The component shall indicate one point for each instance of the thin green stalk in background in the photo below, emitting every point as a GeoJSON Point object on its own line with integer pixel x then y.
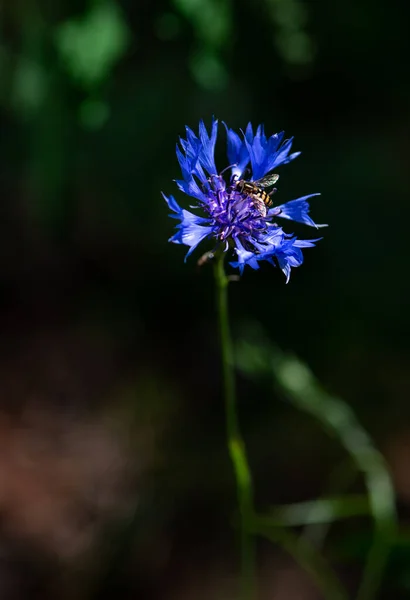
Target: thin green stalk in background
{"type": "Point", "coordinates": [306, 555]}
{"type": "Point", "coordinates": [299, 385]}
{"type": "Point", "coordinates": [336, 415]}
{"type": "Point", "coordinates": [320, 511]}
{"type": "Point", "coordinates": [236, 446]}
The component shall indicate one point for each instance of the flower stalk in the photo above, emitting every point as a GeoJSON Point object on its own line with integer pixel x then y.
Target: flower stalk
{"type": "Point", "coordinates": [235, 443]}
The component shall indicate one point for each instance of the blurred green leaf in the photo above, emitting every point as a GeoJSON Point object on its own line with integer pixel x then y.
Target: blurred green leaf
{"type": "Point", "coordinates": [168, 26]}
{"type": "Point", "coordinates": [29, 86]}
{"type": "Point", "coordinates": [292, 39]}
{"type": "Point", "coordinates": [211, 20]}
{"type": "Point", "coordinates": [94, 114]}
{"type": "Point", "coordinates": [209, 71]}
{"type": "Point", "coordinates": [212, 23]}
{"type": "Point", "coordinates": [90, 47]}
{"type": "Point", "coordinates": [296, 47]}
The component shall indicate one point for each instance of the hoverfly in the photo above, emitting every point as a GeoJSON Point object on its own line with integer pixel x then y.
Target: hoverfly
{"type": "Point", "coordinates": [256, 190]}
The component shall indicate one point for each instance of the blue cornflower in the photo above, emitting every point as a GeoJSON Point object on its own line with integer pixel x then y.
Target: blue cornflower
{"type": "Point", "coordinates": [231, 216]}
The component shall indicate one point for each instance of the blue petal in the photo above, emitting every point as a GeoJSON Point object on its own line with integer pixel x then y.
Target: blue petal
{"type": "Point", "coordinates": [234, 145]}
{"type": "Point", "coordinates": [290, 255]}
{"type": "Point", "coordinates": [260, 133]}
{"type": "Point", "coordinates": [281, 153]}
{"type": "Point", "coordinates": [191, 188]}
{"type": "Point", "coordinates": [190, 235]}
{"type": "Point", "coordinates": [257, 157]}
{"type": "Point", "coordinates": [191, 230]}
{"type": "Point", "coordinates": [288, 258]}
{"type": "Point", "coordinates": [287, 159]}
{"type": "Point", "coordinates": [306, 243]}
{"type": "Point", "coordinates": [285, 250]}
{"type": "Point", "coordinates": [245, 257]}
{"type": "Point", "coordinates": [174, 206]}
{"type": "Point", "coordinates": [186, 163]}
{"type": "Point", "coordinates": [237, 151]}
{"type": "Point", "coordinates": [196, 155]}
{"type": "Point", "coordinates": [266, 154]}
{"type": "Point", "coordinates": [297, 210]}
{"type": "Point", "coordinates": [249, 133]}
{"type": "Point", "coordinates": [186, 216]}
{"type": "Point", "coordinates": [275, 141]}
{"type": "Point", "coordinates": [191, 147]}
{"type": "Point", "coordinates": [191, 139]}
{"type": "Point", "coordinates": [206, 156]}
{"type": "Point", "coordinates": [272, 239]}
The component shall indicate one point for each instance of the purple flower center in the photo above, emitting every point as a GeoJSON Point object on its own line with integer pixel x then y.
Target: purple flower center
{"type": "Point", "coordinates": [233, 213]}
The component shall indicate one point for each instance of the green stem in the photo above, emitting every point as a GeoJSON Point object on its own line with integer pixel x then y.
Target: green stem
{"type": "Point", "coordinates": [235, 441]}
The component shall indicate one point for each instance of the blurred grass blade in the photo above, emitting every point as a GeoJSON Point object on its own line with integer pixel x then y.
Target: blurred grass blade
{"type": "Point", "coordinates": [309, 559]}
{"type": "Point", "coordinates": [323, 510]}
{"type": "Point", "coordinates": [340, 480]}
{"type": "Point", "coordinates": [301, 388]}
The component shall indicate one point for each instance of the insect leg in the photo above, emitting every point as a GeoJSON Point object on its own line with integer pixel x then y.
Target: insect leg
{"type": "Point", "coordinates": [230, 167]}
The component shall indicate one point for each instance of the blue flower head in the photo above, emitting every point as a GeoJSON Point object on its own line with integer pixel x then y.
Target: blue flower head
{"type": "Point", "coordinates": [237, 215]}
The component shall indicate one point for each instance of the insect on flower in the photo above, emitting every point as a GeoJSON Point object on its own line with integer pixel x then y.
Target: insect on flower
{"type": "Point", "coordinates": [237, 213]}
{"type": "Point", "coordinates": [256, 191]}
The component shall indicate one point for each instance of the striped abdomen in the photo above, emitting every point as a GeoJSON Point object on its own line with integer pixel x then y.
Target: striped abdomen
{"type": "Point", "coordinates": [253, 190]}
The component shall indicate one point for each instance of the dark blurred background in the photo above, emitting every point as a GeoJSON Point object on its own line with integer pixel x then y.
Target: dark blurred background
{"type": "Point", "coordinates": [114, 476]}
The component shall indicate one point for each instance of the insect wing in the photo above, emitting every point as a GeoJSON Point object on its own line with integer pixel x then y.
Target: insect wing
{"type": "Point", "coordinates": [259, 205]}
{"type": "Point", "coordinates": [267, 181]}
